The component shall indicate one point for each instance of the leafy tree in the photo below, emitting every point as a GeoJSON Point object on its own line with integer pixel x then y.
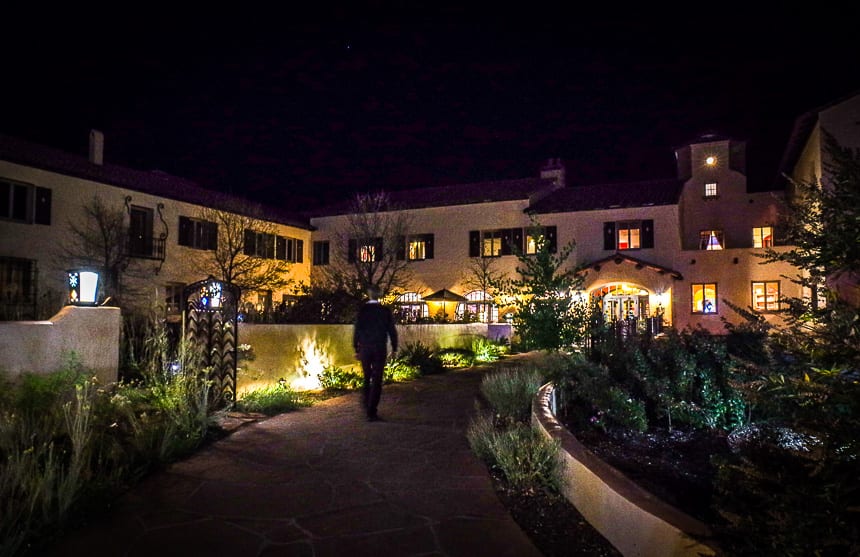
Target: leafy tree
{"type": "Point", "coordinates": [373, 243]}
{"type": "Point", "coordinates": [801, 497]}
{"type": "Point", "coordinates": [548, 317]}
{"type": "Point", "coordinates": [823, 225]}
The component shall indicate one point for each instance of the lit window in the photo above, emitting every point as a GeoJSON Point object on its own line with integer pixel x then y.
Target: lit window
{"type": "Point", "coordinates": [704, 297]}
{"type": "Point", "coordinates": [624, 235]}
{"type": "Point", "coordinates": [367, 253]}
{"type": "Point", "coordinates": [628, 235]}
{"type": "Point", "coordinates": [711, 189]}
{"type": "Point", "coordinates": [416, 250]}
{"type": "Point", "coordinates": [711, 240]}
{"type": "Point", "coordinates": [765, 295]}
{"type": "Point", "coordinates": [491, 245]}
{"type": "Point", "coordinates": [532, 244]}
{"type": "Point", "coordinates": [763, 237]}
{"type": "Point", "coordinates": [409, 308]}
{"type": "Point", "coordinates": [365, 250]}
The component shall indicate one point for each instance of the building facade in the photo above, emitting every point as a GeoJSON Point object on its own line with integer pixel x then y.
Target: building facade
{"type": "Point", "coordinates": [683, 249]}
{"type": "Point", "coordinates": [59, 211]}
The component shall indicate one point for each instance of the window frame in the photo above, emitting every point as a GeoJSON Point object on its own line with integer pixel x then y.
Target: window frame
{"type": "Point", "coordinates": [704, 286]}
{"type": "Point", "coordinates": [612, 229]}
{"type": "Point", "coordinates": [705, 239]}
{"type": "Point", "coordinates": [767, 304]}
{"type": "Point", "coordinates": [758, 236]}
{"type": "Point", "coordinates": [197, 233]}
{"type": "Point", "coordinates": [321, 253]}
{"type": "Point", "coordinates": [709, 192]}
{"type": "Point", "coordinates": [30, 205]}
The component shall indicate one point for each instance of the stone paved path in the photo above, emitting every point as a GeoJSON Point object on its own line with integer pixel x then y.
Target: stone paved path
{"type": "Point", "coordinates": [324, 482]}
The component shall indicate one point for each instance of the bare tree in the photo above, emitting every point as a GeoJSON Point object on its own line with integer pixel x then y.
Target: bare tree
{"type": "Point", "coordinates": [247, 250]}
{"type": "Point", "coordinates": [99, 240]}
{"type": "Point", "coordinates": [373, 241]}
{"type": "Point", "coordinates": [481, 274]}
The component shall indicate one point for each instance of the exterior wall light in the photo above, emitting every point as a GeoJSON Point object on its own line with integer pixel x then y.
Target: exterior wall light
{"type": "Point", "coordinates": [711, 160]}
{"type": "Point", "coordinates": [83, 287]}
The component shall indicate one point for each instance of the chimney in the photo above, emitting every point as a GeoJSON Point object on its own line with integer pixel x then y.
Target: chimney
{"type": "Point", "coordinates": [554, 169]}
{"type": "Point", "coordinates": [97, 147]}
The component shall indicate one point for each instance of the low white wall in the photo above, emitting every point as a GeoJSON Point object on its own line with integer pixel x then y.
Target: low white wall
{"type": "Point", "coordinates": [279, 349]}
{"type": "Point", "coordinates": [93, 333]}
{"type": "Point", "coordinates": [634, 521]}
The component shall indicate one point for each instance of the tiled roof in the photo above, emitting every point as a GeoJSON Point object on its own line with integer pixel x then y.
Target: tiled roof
{"type": "Point", "coordinates": [445, 196]}
{"type": "Point", "coordinates": [155, 183]}
{"type": "Point", "coordinates": [609, 196]}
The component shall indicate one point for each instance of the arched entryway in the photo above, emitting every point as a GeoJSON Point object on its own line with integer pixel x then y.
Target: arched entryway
{"type": "Point", "coordinates": [631, 302]}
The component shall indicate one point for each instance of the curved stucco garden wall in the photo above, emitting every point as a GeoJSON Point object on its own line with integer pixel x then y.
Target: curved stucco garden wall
{"type": "Point", "coordinates": [91, 333]}
{"type": "Point", "coordinates": [634, 521]}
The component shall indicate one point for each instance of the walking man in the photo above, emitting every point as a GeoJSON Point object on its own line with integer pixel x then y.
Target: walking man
{"type": "Point", "coordinates": [373, 327]}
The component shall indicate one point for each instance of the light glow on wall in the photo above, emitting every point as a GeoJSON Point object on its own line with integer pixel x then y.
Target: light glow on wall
{"type": "Point", "coordinates": [313, 359]}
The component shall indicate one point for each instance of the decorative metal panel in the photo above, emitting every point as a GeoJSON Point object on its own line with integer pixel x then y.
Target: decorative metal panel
{"type": "Point", "coordinates": [210, 328]}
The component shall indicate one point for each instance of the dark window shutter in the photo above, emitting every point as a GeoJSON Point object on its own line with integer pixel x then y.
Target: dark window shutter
{"type": "Point", "coordinates": [401, 248]}
{"type": "Point", "coordinates": [300, 251]}
{"type": "Point", "coordinates": [186, 231]}
{"type": "Point", "coordinates": [608, 235]}
{"type": "Point", "coordinates": [351, 251]}
{"type": "Point", "coordinates": [19, 203]}
{"type": "Point", "coordinates": [474, 243]}
{"type": "Point", "coordinates": [282, 248]}
{"type": "Point", "coordinates": [779, 236]}
{"type": "Point", "coordinates": [648, 233]}
{"type": "Point", "coordinates": [428, 246]}
{"type": "Point", "coordinates": [551, 238]}
{"type": "Point", "coordinates": [377, 246]}
{"type": "Point", "coordinates": [211, 235]}
{"type": "Point", "coordinates": [43, 206]}
{"type": "Point", "coordinates": [269, 242]}
{"type": "Point", "coordinates": [507, 241]}
{"type": "Point", "coordinates": [250, 242]}
{"type": "Point", "coordinates": [516, 240]}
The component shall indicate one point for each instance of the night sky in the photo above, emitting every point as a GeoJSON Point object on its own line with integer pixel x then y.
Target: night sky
{"type": "Point", "coordinates": [298, 109]}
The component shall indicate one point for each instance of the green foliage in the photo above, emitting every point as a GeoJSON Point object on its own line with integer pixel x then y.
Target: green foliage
{"type": "Point", "coordinates": [547, 315]}
{"type": "Point", "coordinates": [685, 378]}
{"type": "Point", "coordinates": [527, 459]}
{"type": "Point", "coordinates": [340, 379]}
{"type": "Point", "coordinates": [456, 357]}
{"type": "Point", "coordinates": [397, 370]}
{"type": "Point", "coordinates": [510, 391]}
{"type": "Point", "coordinates": [422, 356]}
{"type": "Point", "coordinates": [822, 225]}
{"type": "Point", "coordinates": [271, 400]}
{"type": "Point", "coordinates": [486, 350]}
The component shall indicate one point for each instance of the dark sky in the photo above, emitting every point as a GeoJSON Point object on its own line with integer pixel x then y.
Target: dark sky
{"type": "Point", "coordinates": [302, 108]}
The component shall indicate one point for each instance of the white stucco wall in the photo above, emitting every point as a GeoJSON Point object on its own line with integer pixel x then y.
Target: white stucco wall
{"type": "Point", "coordinates": [93, 333]}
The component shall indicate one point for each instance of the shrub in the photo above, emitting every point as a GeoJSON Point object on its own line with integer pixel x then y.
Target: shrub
{"type": "Point", "coordinates": [397, 370]}
{"type": "Point", "coordinates": [422, 356]}
{"type": "Point", "coordinates": [480, 435]}
{"type": "Point", "coordinates": [510, 392]}
{"type": "Point", "coordinates": [527, 459]}
{"type": "Point", "coordinates": [337, 378]}
{"type": "Point", "coordinates": [271, 400]}
{"type": "Point", "coordinates": [486, 350]}
{"type": "Point", "coordinates": [456, 357]}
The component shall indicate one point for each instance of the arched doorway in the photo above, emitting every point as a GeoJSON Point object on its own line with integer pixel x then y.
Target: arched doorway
{"type": "Point", "coordinates": [622, 300]}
